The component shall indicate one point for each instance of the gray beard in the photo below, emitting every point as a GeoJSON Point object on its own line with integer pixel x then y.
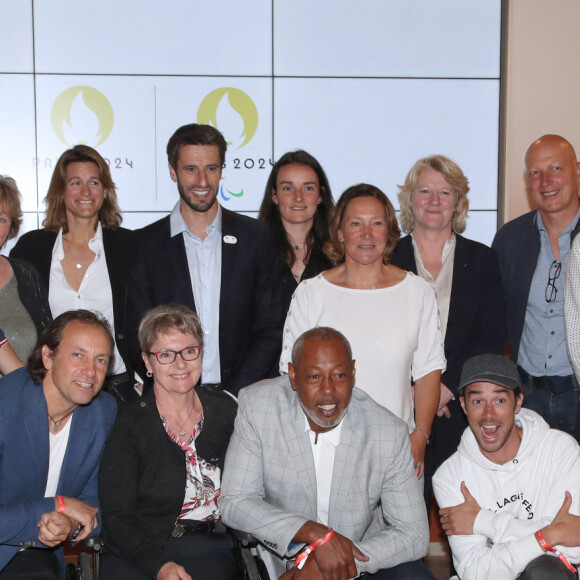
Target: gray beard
{"type": "Point", "coordinates": [330, 424]}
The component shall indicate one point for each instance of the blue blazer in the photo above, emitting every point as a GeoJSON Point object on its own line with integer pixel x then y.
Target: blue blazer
{"type": "Point", "coordinates": [24, 456]}
{"type": "Point", "coordinates": [518, 245]}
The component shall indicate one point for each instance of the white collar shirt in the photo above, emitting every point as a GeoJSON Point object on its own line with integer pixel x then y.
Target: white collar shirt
{"type": "Point", "coordinates": [323, 451]}
{"type": "Point", "coordinates": [204, 260]}
{"type": "Point", "coordinates": [94, 293]}
{"type": "Point", "coordinates": [444, 281]}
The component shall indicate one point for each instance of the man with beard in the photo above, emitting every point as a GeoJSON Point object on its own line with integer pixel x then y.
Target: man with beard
{"type": "Point", "coordinates": [510, 495]}
{"type": "Point", "coordinates": [221, 264]}
{"type": "Point", "coordinates": [315, 470]}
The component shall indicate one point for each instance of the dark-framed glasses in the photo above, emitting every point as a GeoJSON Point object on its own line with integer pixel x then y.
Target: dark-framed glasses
{"type": "Point", "coordinates": [551, 290]}
{"type": "Point", "coordinates": [166, 357]}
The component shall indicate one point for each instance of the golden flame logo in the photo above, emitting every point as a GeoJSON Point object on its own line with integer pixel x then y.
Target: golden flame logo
{"type": "Point", "coordinates": [240, 102]}
{"type": "Point", "coordinates": [82, 115]}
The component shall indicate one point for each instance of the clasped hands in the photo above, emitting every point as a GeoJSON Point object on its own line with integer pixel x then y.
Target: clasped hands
{"type": "Point", "coordinates": [55, 527]}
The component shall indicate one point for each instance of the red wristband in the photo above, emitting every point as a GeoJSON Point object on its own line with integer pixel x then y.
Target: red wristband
{"type": "Point", "coordinates": [545, 546]}
{"type": "Point", "coordinates": [60, 501]}
{"type": "Point", "coordinates": [325, 539]}
{"type": "Point", "coordinates": [301, 559]}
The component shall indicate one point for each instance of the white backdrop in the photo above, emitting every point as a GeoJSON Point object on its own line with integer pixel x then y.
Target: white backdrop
{"type": "Point", "coordinates": [367, 87]}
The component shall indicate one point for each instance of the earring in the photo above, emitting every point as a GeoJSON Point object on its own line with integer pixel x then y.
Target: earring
{"type": "Point", "coordinates": [274, 202]}
{"type": "Point", "coordinates": [149, 374]}
{"type": "Point", "coordinates": [319, 202]}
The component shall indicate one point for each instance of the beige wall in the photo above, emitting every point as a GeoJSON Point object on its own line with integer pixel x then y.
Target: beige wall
{"type": "Point", "coordinates": [542, 85]}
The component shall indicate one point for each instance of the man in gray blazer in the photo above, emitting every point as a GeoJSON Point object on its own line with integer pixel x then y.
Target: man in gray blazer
{"type": "Point", "coordinates": [315, 463]}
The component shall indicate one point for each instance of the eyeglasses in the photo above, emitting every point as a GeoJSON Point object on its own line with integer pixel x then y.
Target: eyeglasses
{"type": "Point", "coordinates": [551, 290]}
{"type": "Point", "coordinates": [166, 357]}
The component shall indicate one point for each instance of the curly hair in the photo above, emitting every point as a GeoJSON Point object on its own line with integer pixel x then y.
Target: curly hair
{"type": "Point", "coordinates": [452, 174]}
{"type": "Point", "coordinates": [10, 204]}
{"type": "Point", "coordinates": [270, 212]}
{"type": "Point", "coordinates": [334, 248]}
{"type": "Point", "coordinates": [109, 214]}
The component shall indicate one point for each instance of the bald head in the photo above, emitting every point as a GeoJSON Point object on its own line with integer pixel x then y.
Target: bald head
{"type": "Point", "coordinates": [552, 143]}
{"type": "Point", "coordinates": [553, 178]}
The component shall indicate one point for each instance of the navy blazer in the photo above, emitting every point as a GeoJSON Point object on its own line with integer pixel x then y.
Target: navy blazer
{"type": "Point", "coordinates": [517, 244]}
{"type": "Point", "coordinates": [251, 316]}
{"type": "Point", "coordinates": [25, 452]}
{"type": "Point", "coordinates": [477, 318]}
{"type": "Point", "coordinates": [36, 248]}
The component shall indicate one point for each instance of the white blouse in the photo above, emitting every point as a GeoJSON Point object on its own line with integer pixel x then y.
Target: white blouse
{"type": "Point", "coordinates": [95, 292]}
{"type": "Point", "coordinates": [394, 334]}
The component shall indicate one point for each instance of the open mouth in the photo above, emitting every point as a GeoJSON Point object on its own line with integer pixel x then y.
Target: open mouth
{"type": "Point", "coordinates": [489, 432]}
{"type": "Point", "coordinates": [549, 193]}
{"type": "Point", "coordinates": [327, 410]}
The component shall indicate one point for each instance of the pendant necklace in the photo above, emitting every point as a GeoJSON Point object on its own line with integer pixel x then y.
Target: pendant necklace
{"type": "Point", "coordinates": [182, 431]}
{"type": "Point", "coordinates": [296, 245]}
{"type": "Point", "coordinates": [55, 427]}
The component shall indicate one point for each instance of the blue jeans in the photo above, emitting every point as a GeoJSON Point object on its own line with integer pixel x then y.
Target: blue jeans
{"type": "Point", "coordinates": [416, 570]}
{"type": "Point", "coordinates": [560, 410]}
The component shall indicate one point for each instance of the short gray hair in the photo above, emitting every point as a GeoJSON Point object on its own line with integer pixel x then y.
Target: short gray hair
{"type": "Point", "coordinates": [324, 333]}
{"type": "Point", "coordinates": [165, 317]}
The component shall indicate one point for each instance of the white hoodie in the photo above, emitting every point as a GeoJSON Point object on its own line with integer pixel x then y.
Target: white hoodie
{"type": "Point", "coordinates": [516, 499]}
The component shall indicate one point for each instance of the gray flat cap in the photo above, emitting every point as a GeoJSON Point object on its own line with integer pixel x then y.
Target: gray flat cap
{"type": "Point", "coordinates": [490, 368]}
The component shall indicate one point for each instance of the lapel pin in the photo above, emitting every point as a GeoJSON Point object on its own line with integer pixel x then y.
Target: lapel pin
{"type": "Point", "coordinates": [230, 239]}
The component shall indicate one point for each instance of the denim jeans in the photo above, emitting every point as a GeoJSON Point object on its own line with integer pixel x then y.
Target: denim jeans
{"type": "Point", "coordinates": [560, 410]}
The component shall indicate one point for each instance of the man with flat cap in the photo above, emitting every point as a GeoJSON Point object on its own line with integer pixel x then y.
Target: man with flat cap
{"type": "Point", "coordinates": [510, 495]}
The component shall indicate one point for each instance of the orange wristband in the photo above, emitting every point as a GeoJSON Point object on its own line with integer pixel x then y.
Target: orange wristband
{"type": "Point", "coordinates": [301, 559]}
{"type": "Point", "coordinates": [545, 546]}
{"type": "Point", "coordinates": [60, 501]}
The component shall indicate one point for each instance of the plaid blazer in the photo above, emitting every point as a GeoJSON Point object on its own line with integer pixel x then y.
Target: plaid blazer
{"type": "Point", "coordinates": [269, 480]}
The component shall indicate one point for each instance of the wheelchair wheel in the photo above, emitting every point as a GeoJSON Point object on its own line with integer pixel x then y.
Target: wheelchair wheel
{"type": "Point", "coordinates": [262, 570]}
{"type": "Point", "coordinates": [84, 566]}
{"type": "Point", "coordinates": [82, 571]}
{"type": "Point", "coordinates": [72, 572]}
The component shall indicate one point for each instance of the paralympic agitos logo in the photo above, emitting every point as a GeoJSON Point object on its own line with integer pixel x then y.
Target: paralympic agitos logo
{"type": "Point", "coordinates": [214, 107]}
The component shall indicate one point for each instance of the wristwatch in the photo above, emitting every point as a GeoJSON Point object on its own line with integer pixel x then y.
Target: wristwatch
{"type": "Point", "coordinates": [74, 534]}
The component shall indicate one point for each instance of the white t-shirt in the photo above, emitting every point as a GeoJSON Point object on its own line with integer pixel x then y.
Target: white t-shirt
{"type": "Point", "coordinates": [394, 334]}
{"type": "Point", "coordinates": [58, 444]}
